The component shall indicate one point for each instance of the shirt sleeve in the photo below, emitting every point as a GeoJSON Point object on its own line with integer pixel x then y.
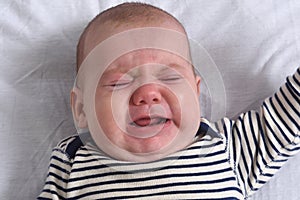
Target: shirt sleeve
{"type": "Point", "coordinates": [58, 173]}
{"type": "Point", "coordinates": [259, 143]}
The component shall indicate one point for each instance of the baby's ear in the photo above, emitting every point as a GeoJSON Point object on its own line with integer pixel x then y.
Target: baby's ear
{"type": "Point", "coordinates": [76, 100]}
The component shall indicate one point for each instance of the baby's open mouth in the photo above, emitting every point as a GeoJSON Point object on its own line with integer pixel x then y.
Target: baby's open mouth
{"type": "Point", "coordinates": [148, 126]}
{"type": "Point", "coordinates": [148, 121]}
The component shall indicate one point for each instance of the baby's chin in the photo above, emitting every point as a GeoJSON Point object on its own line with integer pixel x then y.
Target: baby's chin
{"type": "Point", "coordinates": [150, 139]}
{"type": "Point", "coordinates": [142, 145]}
{"type": "Point", "coordinates": [168, 141]}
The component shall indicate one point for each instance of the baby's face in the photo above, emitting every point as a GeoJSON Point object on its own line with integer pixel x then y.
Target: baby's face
{"type": "Point", "coordinates": [146, 102]}
{"type": "Point", "coordinates": [140, 94]}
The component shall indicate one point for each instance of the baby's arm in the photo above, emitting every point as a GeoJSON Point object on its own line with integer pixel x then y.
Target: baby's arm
{"type": "Point", "coordinates": [261, 142]}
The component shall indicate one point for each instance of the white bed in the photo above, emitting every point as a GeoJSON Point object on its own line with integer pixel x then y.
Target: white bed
{"type": "Point", "coordinates": [254, 44]}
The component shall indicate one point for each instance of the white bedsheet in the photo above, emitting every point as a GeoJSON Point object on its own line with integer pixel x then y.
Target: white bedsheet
{"type": "Point", "coordinates": [254, 44]}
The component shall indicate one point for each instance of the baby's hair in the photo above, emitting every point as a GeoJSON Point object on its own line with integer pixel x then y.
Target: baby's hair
{"type": "Point", "coordinates": [126, 13]}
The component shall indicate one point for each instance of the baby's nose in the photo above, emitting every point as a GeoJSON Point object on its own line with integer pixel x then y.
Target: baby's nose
{"type": "Point", "coordinates": [146, 95]}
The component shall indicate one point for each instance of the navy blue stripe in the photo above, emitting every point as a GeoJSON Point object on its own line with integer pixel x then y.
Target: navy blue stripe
{"type": "Point", "coordinates": [249, 151]}
{"type": "Point", "coordinates": [86, 161]}
{"type": "Point", "coordinates": [263, 137]}
{"type": "Point", "coordinates": [154, 169]}
{"type": "Point", "coordinates": [235, 143]}
{"type": "Point", "coordinates": [293, 149]}
{"type": "Point", "coordinates": [159, 193]}
{"type": "Point", "coordinates": [277, 125]}
{"type": "Point", "coordinates": [261, 182]}
{"type": "Point", "coordinates": [140, 196]}
{"type": "Point", "coordinates": [155, 186]}
{"type": "Point", "coordinates": [42, 198]}
{"type": "Point", "coordinates": [284, 155]}
{"type": "Point", "coordinates": [206, 139]}
{"type": "Point", "coordinates": [286, 112]}
{"type": "Point", "coordinates": [292, 92]}
{"type": "Point", "coordinates": [283, 122]}
{"type": "Point", "coordinates": [166, 176]}
{"type": "Point", "coordinates": [283, 160]}
{"type": "Point", "coordinates": [130, 197]}
{"type": "Point", "coordinates": [286, 99]}
{"type": "Point", "coordinates": [59, 168]}
{"type": "Point", "coordinates": [274, 167]}
{"type": "Point", "coordinates": [259, 151]}
{"type": "Point", "coordinates": [57, 177]}
{"type": "Point", "coordinates": [268, 175]}
{"type": "Point", "coordinates": [102, 166]}
{"type": "Point", "coordinates": [63, 143]}
{"type": "Point", "coordinates": [116, 173]}
{"type": "Point", "coordinates": [290, 85]}
{"type": "Point", "coordinates": [243, 158]}
{"type": "Point", "coordinates": [163, 159]}
{"type": "Point", "coordinates": [244, 176]}
{"type": "Point", "coordinates": [257, 146]}
{"type": "Point", "coordinates": [61, 160]}
{"type": "Point", "coordinates": [205, 146]}
{"type": "Point", "coordinates": [227, 148]}
{"type": "Point", "coordinates": [272, 143]}
{"type": "Point", "coordinates": [187, 166]}
{"type": "Point", "coordinates": [89, 154]}
{"type": "Point", "coordinates": [225, 129]}
{"type": "Point", "coordinates": [53, 193]}
{"type": "Point", "coordinates": [296, 81]}
{"type": "Point", "coordinates": [200, 155]}
{"type": "Point", "coordinates": [57, 186]}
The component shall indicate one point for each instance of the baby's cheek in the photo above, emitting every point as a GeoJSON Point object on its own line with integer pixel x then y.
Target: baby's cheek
{"type": "Point", "coordinates": [102, 106]}
{"type": "Point", "coordinates": [105, 120]}
{"type": "Point", "coordinates": [186, 105]}
{"type": "Point", "coordinates": [171, 101]}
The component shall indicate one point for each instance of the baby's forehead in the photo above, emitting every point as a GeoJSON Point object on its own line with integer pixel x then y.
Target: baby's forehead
{"type": "Point", "coordinates": [135, 47]}
{"type": "Point", "coordinates": [147, 55]}
{"type": "Point", "coordinates": [103, 31]}
{"type": "Point", "coordinates": [150, 58]}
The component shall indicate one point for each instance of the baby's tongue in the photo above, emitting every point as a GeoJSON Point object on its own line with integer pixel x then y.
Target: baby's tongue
{"type": "Point", "coordinates": [143, 121]}
{"type": "Point", "coordinates": [147, 121]}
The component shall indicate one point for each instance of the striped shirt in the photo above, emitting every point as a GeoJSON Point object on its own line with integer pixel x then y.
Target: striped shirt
{"type": "Point", "coordinates": [230, 160]}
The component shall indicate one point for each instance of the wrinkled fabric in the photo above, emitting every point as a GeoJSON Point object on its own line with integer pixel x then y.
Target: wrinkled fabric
{"type": "Point", "coordinates": [254, 45]}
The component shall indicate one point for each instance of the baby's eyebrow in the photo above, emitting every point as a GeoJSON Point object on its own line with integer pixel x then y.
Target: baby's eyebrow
{"type": "Point", "coordinates": [119, 67]}
{"type": "Point", "coordinates": [173, 66]}
{"type": "Point", "coordinates": [108, 72]}
{"type": "Point", "coordinates": [116, 69]}
{"type": "Point", "coordinates": [123, 70]}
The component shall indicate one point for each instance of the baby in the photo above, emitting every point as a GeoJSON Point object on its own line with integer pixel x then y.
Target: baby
{"type": "Point", "coordinates": [135, 105]}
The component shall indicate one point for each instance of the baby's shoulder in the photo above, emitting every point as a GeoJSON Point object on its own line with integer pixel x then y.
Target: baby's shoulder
{"type": "Point", "coordinates": [63, 144]}
{"type": "Point", "coordinates": [70, 145]}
